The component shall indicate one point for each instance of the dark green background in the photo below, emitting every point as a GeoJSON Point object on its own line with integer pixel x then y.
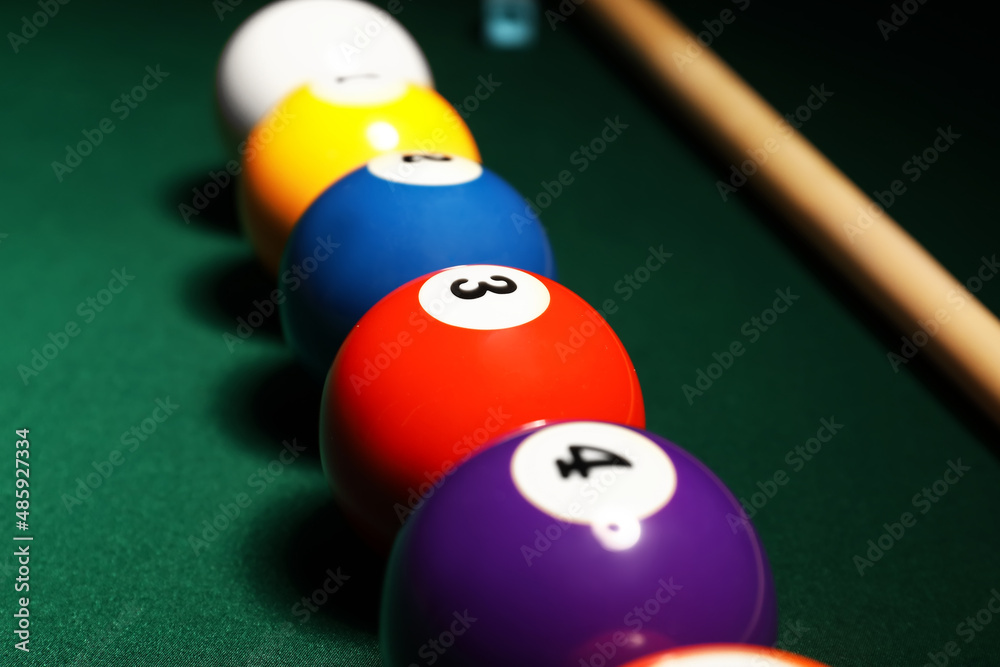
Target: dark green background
{"type": "Point", "coordinates": [115, 581]}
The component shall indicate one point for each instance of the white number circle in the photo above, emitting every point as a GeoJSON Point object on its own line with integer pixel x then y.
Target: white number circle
{"type": "Point", "coordinates": [359, 90]}
{"type": "Point", "coordinates": [484, 297]}
{"type": "Point", "coordinates": [290, 43]}
{"type": "Point", "coordinates": [602, 475]}
{"type": "Point", "coordinates": [425, 168]}
{"type": "Point", "coordinates": [726, 657]}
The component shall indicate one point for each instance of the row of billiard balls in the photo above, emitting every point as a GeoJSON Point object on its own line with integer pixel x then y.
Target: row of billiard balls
{"type": "Point", "coordinates": [485, 406]}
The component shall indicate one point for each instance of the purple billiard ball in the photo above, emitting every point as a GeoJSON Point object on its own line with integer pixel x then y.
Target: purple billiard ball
{"type": "Point", "coordinates": [574, 543]}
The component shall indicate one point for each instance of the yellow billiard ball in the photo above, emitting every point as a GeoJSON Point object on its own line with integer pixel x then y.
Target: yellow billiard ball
{"type": "Point", "coordinates": [323, 131]}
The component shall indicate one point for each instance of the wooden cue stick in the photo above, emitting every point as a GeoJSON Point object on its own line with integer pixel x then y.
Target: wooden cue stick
{"type": "Point", "coordinates": [883, 261]}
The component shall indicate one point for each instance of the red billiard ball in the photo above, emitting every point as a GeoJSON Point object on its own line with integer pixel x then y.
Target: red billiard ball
{"type": "Point", "coordinates": [450, 360]}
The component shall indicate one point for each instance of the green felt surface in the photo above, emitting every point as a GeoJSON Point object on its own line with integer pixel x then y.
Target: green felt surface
{"type": "Point", "coordinates": [114, 578]}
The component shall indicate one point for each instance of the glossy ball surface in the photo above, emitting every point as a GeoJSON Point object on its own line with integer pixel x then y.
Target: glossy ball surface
{"type": "Point", "coordinates": [576, 543]}
{"type": "Point", "coordinates": [399, 217]}
{"type": "Point", "coordinates": [426, 378]}
{"type": "Point", "coordinates": [321, 133]}
{"type": "Point", "coordinates": [725, 655]}
{"type": "Point", "coordinates": [290, 43]}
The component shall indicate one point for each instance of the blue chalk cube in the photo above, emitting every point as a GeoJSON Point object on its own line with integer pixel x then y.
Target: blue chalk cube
{"type": "Point", "coordinates": [510, 24]}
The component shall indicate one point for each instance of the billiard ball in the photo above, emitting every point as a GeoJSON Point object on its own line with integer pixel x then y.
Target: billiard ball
{"type": "Point", "coordinates": [725, 655]}
{"type": "Point", "coordinates": [290, 43]}
{"type": "Point", "coordinates": [445, 362]}
{"type": "Point", "coordinates": [575, 543]}
{"type": "Point", "coordinates": [325, 130]}
{"type": "Point", "coordinates": [397, 218]}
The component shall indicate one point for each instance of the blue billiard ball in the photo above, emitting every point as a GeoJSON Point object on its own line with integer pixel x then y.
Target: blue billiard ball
{"type": "Point", "coordinates": [399, 217]}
